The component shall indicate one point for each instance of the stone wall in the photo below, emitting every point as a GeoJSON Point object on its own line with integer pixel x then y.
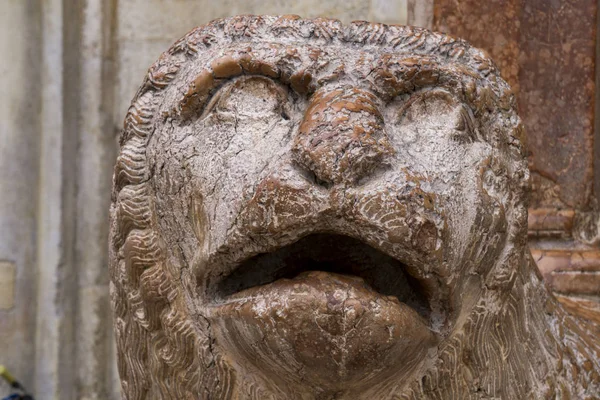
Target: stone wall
{"type": "Point", "coordinates": [70, 69]}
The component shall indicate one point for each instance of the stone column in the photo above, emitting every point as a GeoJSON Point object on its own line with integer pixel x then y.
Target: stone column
{"type": "Point", "coordinates": [19, 165]}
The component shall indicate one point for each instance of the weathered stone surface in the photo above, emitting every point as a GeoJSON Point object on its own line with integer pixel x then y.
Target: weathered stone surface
{"type": "Point", "coordinates": [247, 261]}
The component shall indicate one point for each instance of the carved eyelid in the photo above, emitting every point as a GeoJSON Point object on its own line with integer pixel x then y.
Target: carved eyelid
{"type": "Point", "coordinates": [204, 92]}
{"type": "Point", "coordinates": [226, 87]}
{"type": "Point", "coordinates": [466, 121]}
{"type": "Point", "coordinates": [233, 65]}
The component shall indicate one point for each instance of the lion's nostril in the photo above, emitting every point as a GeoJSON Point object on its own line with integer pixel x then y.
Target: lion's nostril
{"type": "Point", "coordinates": [342, 137]}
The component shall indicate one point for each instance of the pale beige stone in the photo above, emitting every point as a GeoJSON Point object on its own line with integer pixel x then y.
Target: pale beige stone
{"type": "Point", "coordinates": [389, 11]}
{"type": "Point", "coordinates": [7, 285]}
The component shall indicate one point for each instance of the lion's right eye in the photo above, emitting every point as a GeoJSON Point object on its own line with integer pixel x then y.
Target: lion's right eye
{"type": "Point", "coordinates": [253, 97]}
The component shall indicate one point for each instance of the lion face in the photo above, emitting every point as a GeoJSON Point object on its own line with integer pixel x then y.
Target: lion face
{"type": "Point", "coordinates": [325, 210]}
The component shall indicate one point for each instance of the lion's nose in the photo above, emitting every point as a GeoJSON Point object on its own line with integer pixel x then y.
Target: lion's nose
{"type": "Point", "coordinates": [342, 137]}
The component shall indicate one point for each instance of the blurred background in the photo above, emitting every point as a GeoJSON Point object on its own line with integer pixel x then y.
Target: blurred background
{"type": "Point", "coordinates": [70, 67]}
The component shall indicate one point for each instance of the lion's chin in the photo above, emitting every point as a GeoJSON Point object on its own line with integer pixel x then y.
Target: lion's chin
{"type": "Point", "coordinates": [322, 332]}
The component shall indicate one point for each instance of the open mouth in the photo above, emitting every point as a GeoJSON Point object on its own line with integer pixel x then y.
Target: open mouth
{"type": "Point", "coordinates": [327, 309]}
{"type": "Point", "coordinates": [332, 256]}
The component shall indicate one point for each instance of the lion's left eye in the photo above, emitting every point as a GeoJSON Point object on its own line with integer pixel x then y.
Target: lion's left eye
{"type": "Point", "coordinates": [438, 113]}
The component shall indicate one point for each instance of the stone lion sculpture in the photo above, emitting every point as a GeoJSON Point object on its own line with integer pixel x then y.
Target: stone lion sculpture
{"type": "Point", "coordinates": [308, 210]}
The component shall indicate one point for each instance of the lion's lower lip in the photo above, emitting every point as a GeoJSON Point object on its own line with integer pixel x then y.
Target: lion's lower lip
{"type": "Point", "coordinates": [337, 326]}
{"type": "Point", "coordinates": [341, 260]}
{"type": "Point", "coordinates": [335, 295]}
{"type": "Point", "coordinates": [308, 283]}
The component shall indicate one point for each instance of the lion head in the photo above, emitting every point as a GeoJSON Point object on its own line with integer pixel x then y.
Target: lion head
{"type": "Point", "coordinates": [307, 210]}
